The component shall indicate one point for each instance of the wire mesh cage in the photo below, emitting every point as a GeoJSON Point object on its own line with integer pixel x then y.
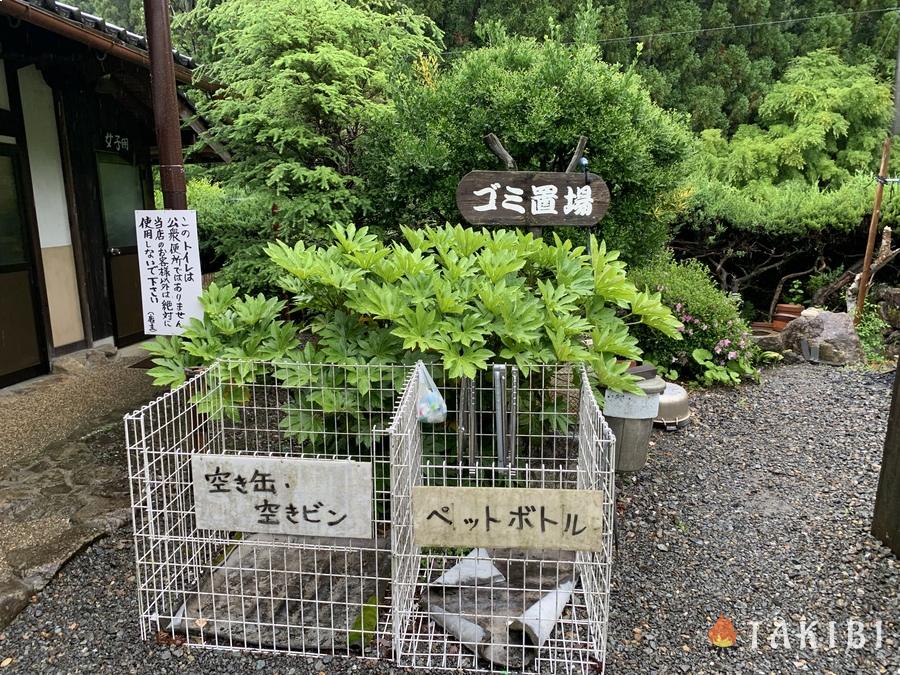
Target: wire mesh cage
{"type": "Point", "coordinates": [534, 448]}
{"type": "Point", "coordinates": [208, 455]}
{"type": "Point", "coordinates": [278, 506]}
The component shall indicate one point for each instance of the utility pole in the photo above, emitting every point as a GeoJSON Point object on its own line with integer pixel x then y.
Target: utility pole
{"type": "Point", "coordinates": [886, 519]}
{"type": "Point", "coordinates": [165, 104]}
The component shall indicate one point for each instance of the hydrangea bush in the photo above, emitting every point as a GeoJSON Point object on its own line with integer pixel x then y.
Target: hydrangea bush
{"type": "Point", "coordinates": [716, 346]}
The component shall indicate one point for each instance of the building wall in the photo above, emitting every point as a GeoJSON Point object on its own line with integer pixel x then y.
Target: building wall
{"type": "Point", "coordinates": [4, 101]}
{"type": "Point", "coordinates": [4, 93]}
{"type": "Point", "coordinates": [51, 208]}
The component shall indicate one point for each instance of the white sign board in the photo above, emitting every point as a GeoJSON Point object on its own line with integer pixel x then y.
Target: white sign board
{"type": "Point", "coordinates": [314, 497]}
{"type": "Point", "coordinates": [169, 259]}
{"type": "Point", "coordinates": [529, 518]}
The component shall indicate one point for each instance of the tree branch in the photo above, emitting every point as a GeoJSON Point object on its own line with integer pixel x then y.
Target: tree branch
{"type": "Point", "coordinates": [495, 146]}
{"type": "Point", "coordinates": [850, 274]}
{"type": "Point", "coordinates": [882, 260]}
{"type": "Point", "coordinates": [780, 285]}
{"type": "Point", "coordinates": [779, 260]}
{"type": "Point", "coordinates": [578, 154]}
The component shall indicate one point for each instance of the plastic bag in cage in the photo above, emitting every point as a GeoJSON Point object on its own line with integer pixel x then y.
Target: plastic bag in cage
{"type": "Point", "coordinates": [431, 406]}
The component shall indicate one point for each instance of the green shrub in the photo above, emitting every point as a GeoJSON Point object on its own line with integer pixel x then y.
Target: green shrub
{"type": "Point", "coordinates": [871, 330]}
{"type": "Point", "coordinates": [298, 83]}
{"type": "Point", "coordinates": [470, 297]}
{"type": "Point", "coordinates": [796, 184]}
{"type": "Point", "coordinates": [819, 280]}
{"type": "Point", "coordinates": [713, 333]}
{"type": "Point", "coordinates": [453, 295]}
{"type": "Point", "coordinates": [234, 228]}
{"type": "Point", "coordinates": [538, 98]}
{"type": "Point", "coordinates": [232, 327]}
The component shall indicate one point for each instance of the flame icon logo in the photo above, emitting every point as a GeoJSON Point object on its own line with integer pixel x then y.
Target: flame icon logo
{"type": "Point", "coordinates": [722, 633]}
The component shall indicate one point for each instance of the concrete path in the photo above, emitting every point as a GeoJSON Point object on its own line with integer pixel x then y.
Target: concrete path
{"type": "Point", "coordinates": [63, 469]}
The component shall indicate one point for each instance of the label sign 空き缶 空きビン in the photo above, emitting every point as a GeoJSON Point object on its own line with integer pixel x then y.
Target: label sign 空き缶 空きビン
{"type": "Point", "coordinates": [532, 198]}
{"type": "Point", "coordinates": [283, 495]}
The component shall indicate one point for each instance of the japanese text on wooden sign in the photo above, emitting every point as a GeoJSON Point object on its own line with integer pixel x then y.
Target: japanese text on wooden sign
{"type": "Point", "coordinates": [314, 497]}
{"type": "Point", "coordinates": [567, 520]}
{"type": "Point", "coordinates": [169, 260]}
{"type": "Point", "coordinates": [115, 141]}
{"type": "Point", "coordinates": [532, 198]}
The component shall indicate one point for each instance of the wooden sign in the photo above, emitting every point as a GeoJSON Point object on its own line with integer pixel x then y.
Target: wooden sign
{"type": "Point", "coordinates": [532, 198]}
{"type": "Point", "coordinates": [528, 518]}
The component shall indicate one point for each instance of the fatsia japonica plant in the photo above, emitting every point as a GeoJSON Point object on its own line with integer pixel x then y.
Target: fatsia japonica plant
{"type": "Point", "coordinates": [467, 298]}
{"type": "Point", "coordinates": [232, 328]}
{"type": "Point", "coordinates": [454, 297]}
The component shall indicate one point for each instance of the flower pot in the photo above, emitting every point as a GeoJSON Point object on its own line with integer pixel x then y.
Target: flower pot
{"type": "Point", "coordinates": [782, 319]}
{"type": "Point", "coordinates": [791, 309]}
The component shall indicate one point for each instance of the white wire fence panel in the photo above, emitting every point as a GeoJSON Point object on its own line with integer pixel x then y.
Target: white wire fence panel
{"type": "Point", "coordinates": [486, 608]}
{"type": "Point", "coordinates": [259, 589]}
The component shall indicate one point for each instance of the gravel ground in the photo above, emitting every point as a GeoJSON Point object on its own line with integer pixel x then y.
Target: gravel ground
{"type": "Point", "coordinates": [759, 511]}
{"type": "Point", "coordinates": [48, 409]}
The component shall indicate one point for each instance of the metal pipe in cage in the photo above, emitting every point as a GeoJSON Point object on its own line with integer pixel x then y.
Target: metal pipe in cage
{"type": "Point", "coordinates": [462, 422]}
{"type": "Point", "coordinates": [539, 620]}
{"type": "Point", "coordinates": [513, 422]}
{"type": "Point", "coordinates": [472, 427]}
{"type": "Point", "coordinates": [500, 413]}
{"type": "Point", "coordinates": [476, 567]}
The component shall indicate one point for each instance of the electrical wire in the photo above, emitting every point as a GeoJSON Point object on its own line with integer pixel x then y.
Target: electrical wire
{"type": "Point", "coordinates": [633, 38]}
{"type": "Point", "coordinates": [737, 26]}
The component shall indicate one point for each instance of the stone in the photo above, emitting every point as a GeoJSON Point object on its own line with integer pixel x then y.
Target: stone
{"type": "Point", "coordinates": [832, 333]}
{"type": "Point", "coordinates": [37, 564]}
{"type": "Point", "coordinates": [892, 344]}
{"type": "Point", "coordinates": [13, 599]}
{"type": "Point", "coordinates": [888, 301]}
{"type": "Point", "coordinates": [768, 340]}
{"type": "Point", "coordinates": [811, 312]}
{"type": "Point", "coordinates": [102, 513]}
{"type": "Point", "coordinates": [78, 362]}
{"type": "Point", "coordinates": [789, 357]}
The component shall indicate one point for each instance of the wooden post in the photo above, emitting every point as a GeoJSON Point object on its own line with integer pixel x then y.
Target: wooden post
{"type": "Point", "coordinates": [165, 104]}
{"type": "Point", "coordinates": [873, 230]}
{"type": "Point", "coordinates": [503, 155]}
{"type": "Point", "coordinates": [577, 155]}
{"type": "Point", "coordinates": [573, 167]}
{"type": "Point", "coordinates": [886, 520]}
{"type": "Point", "coordinates": [495, 146]}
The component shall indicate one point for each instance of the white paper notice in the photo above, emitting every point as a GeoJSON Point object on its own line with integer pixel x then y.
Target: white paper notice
{"type": "Point", "coordinates": [169, 259]}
